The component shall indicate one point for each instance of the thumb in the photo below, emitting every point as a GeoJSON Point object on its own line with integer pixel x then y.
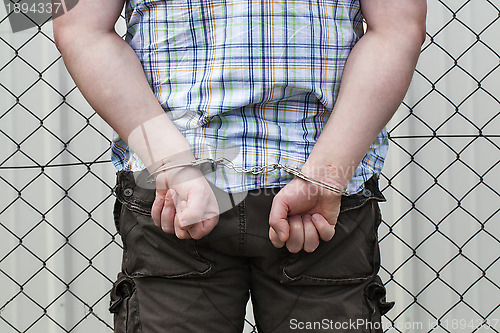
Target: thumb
{"type": "Point", "coordinates": [161, 185]}
{"type": "Point", "coordinates": [193, 211]}
{"type": "Point", "coordinates": [330, 208]}
{"type": "Point", "coordinates": [278, 219]}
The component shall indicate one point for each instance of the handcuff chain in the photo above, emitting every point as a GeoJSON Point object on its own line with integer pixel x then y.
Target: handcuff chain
{"type": "Point", "coordinates": [256, 170]}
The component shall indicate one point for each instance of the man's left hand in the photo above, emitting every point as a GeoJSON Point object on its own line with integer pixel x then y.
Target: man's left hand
{"type": "Point", "coordinates": [301, 214]}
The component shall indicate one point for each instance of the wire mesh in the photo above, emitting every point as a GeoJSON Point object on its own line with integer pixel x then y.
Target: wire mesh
{"type": "Point", "coordinates": [440, 238]}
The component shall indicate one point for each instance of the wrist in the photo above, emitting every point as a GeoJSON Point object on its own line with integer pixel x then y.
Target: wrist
{"type": "Point", "coordinates": [170, 161]}
{"type": "Point", "coordinates": [157, 142]}
{"type": "Point", "coordinates": [176, 169]}
{"type": "Point", "coordinates": [176, 175]}
{"type": "Point", "coordinates": [334, 175]}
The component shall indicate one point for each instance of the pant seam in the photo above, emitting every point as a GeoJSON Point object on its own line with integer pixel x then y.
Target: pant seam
{"type": "Point", "coordinates": [139, 324]}
{"type": "Point", "coordinates": [289, 312]}
{"type": "Point", "coordinates": [216, 308]}
{"type": "Point", "coordinates": [242, 222]}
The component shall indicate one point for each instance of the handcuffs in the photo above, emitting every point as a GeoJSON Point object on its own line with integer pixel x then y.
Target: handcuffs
{"type": "Point", "coordinates": [254, 170]}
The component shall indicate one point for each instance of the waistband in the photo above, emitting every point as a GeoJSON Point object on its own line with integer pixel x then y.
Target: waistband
{"type": "Point", "coordinates": [133, 191]}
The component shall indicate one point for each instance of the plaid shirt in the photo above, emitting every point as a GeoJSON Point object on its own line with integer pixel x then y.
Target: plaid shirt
{"type": "Point", "coordinates": [254, 81]}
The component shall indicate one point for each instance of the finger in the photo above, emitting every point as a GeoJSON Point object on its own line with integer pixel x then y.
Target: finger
{"type": "Point", "coordinates": [295, 242]}
{"type": "Point", "coordinates": [161, 190]}
{"type": "Point", "coordinates": [209, 224]}
{"type": "Point", "coordinates": [311, 237]}
{"type": "Point", "coordinates": [193, 211]}
{"type": "Point", "coordinates": [168, 213]}
{"type": "Point", "coordinates": [325, 229]}
{"type": "Point", "coordinates": [157, 208]}
{"type": "Point", "coordinates": [196, 231]}
{"type": "Point", "coordinates": [180, 233]}
{"type": "Point", "coordinates": [278, 219]}
{"type": "Point", "coordinates": [203, 228]}
{"type": "Point", "coordinates": [210, 220]}
{"type": "Point", "coordinates": [161, 184]}
{"type": "Point", "coordinates": [273, 236]}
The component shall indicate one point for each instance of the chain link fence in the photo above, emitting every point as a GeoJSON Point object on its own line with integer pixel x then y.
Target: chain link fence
{"type": "Point", "coordinates": [440, 239]}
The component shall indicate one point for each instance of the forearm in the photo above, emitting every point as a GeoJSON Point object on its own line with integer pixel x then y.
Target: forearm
{"type": "Point", "coordinates": [376, 77]}
{"type": "Point", "coordinates": [110, 76]}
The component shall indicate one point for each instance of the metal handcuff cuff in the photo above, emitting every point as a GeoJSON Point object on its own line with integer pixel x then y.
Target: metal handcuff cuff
{"type": "Point", "coordinates": [254, 170]}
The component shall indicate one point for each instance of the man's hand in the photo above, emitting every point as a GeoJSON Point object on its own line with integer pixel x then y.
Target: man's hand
{"type": "Point", "coordinates": [301, 214]}
{"type": "Point", "coordinates": [184, 204]}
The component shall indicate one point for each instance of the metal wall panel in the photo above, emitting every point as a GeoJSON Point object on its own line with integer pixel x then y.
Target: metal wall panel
{"type": "Point", "coordinates": [440, 245]}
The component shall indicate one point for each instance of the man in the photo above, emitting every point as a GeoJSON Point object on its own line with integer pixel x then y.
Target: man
{"type": "Point", "coordinates": [289, 84]}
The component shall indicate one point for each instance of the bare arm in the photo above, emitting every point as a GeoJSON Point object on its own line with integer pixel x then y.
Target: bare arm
{"type": "Point", "coordinates": [111, 78]}
{"type": "Point", "coordinates": [375, 80]}
{"type": "Point", "coordinates": [376, 77]}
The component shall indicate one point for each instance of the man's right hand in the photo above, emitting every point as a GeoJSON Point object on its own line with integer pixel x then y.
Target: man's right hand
{"type": "Point", "coordinates": [185, 205]}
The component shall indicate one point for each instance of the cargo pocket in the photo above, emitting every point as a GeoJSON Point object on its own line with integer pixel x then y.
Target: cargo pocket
{"type": "Point", "coordinates": [125, 305]}
{"type": "Point", "coordinates": [375, 294]}
{"type": "Point", "coordinates": [351, 257]}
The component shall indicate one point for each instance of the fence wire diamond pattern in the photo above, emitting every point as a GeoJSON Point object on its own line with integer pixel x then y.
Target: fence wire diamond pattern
{"type": "Point", "coordinates": [440, 238]}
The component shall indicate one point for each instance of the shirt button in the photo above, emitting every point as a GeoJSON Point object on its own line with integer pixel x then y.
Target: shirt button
{"type": "Point", "coordinates": [128, 192]}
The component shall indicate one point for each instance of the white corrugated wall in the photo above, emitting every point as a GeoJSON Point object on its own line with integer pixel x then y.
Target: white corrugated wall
{"type": "Point", "coordinates": [439, 239]}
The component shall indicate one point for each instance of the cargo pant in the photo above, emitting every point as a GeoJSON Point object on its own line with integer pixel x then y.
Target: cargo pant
{"type": "Point", "coordinates": [173, 285]}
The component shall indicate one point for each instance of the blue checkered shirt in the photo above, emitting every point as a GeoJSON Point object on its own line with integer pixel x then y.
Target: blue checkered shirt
{"type": "Point", "coordinates": [252, 81]}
